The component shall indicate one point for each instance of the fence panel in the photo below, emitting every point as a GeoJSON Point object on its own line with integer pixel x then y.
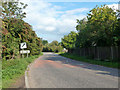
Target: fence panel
{"type": "Point", "coordinates": [98, 52]}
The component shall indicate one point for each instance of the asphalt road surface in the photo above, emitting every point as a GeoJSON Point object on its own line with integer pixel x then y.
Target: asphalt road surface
{"type": "Point", "coordinates": [54, 71]}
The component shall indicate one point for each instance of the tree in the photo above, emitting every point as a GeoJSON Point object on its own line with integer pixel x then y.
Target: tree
{"type": "Point", "coordinates": [54, 43]}
{"type": "Point", "coordinates": [102, 24]}
{"type": "Point", "coordinates": [117, 31]}
{"type": "Point", "coordinates": [44, 42]}
{"type": "Point", "coordinates": [82, 39]}
{"type": "Point", "coordinates": [69, 40]}
{"type": "Point", "coordinates": [15, 30]}
{"type": "Point", "coordinates": [99, 28]}
{"type": "Point", "coordinates": [13, 10]}
{"type": "Point", "coordinates": [54, 46]}
{"type": "Point", "coordinates": [81, 24]}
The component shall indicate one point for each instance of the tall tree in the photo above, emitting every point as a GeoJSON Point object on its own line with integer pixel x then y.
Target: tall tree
{"type": "Point", "coordinates": [83, 38]}
{"type": "Point", "coordinates": [81, 24]}
{"type": "Point", "coordinates": [117, 31]}
{"type": "Point", "coordinates": [15, 31]}
{"type": "Point", "coordinates": [54, 46]}
{"type": "Point", "coordinates": [99, 28]}
{"type": "Point", "coordinates": [69, 40]}
{"type": "Point", "coordinates": [44, 42]}
{"type": "Point", "coordinates": [102, 24]}
{"type": "Point", "coordinates": [13, 10]}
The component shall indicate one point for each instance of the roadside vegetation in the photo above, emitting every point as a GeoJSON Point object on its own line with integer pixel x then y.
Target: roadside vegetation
{"type": "Point", "coordinates": [13, 69]}
{"type": "Point", "coordinates": [0, 74]}
{"type": "Point", "coordinates": [111, 64]}
{"type": "Point", "coordinates": [15, 31]}
{"type": "Point", "coordinates": [54, 46]}
{"type": "Point", "coordinates": [101, 28]}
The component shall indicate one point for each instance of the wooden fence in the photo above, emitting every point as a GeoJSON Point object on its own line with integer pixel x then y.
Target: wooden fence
{"type": "Point", "coordinates": [98, 52]}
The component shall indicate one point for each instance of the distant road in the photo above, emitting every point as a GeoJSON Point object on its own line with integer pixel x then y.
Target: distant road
{"type": "Point", "coordinates": [54, 71]}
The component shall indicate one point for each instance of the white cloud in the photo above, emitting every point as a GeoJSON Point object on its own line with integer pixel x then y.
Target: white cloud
{"type": "Point", "coordinates": [49, 28]}
{"type": "Point", "coordinates": [44, 16]}
{"type": "Point", "coordinates": [79, 10]}
{"type": "Point", "coordinates": [114, 6]}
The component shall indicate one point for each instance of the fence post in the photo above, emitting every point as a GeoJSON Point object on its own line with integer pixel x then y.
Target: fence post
{"type": "Point", "coordinates": [80, 52]}
{"type": "Point", "coordinates": [94, 53]}
{"type": "Point", "coordinates": [88, 52]}
{"type": "Point", "coordinates": [98, 52]}
{"type": "Point", "coordinates": [117, 52]}
{"type": "Point", "coordinates": [84, 51]}
{"type": "Point", "coordinates": [112, 52]}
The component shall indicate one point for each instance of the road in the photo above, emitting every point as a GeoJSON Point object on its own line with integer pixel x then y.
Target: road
{"type": "Point", "coordinates": [54, 71]}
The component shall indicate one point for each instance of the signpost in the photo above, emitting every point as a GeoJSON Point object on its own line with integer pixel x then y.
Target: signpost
{"type": "Point", "coordinates": [25, 51]}
{"type": "Point", "coordinates": [23, 46]}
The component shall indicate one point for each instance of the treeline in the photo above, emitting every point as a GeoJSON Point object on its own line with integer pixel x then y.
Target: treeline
{"type": "Point", "coordinates": [101, 28]}
{"type": "Point", "coordinates": [15, 31]}
{"type": "Point", "coordinates": [54, 46]}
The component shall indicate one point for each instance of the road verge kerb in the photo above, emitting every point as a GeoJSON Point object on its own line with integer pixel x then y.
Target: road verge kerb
{"type": "Point", "coordinates": [26, 77]}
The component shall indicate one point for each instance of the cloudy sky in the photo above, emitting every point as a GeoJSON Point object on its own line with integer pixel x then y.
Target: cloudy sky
{"type": "Point", "coordinates": [52, 20]}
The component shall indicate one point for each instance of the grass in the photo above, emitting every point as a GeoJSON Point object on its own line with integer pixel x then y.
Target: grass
{"type": "Point", "coordinates": [0, 75]}
{"type": "Point", "coordinates": [91, 61]}
{"type": "Point", "coordinates": [59, 53]}
{"type": "Point", "coordinates": [13, 69]}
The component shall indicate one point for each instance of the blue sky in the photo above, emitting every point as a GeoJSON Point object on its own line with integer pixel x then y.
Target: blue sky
{"type": "Point", "coordinates": [52, 20]}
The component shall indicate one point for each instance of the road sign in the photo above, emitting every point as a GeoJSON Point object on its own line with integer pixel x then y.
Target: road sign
{"type": "Point", "coordinates": [23, 45]}
{"type": "Point", "coordinates": [24, 51]}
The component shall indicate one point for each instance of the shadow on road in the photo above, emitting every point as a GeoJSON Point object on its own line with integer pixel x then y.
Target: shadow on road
{"type": "Point", "coordinates": [101, 69]}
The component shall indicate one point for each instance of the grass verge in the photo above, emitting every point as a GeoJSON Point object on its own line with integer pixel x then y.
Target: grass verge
{"type": "Point", "coordinates": [91, 61]}
{"type": "Point", "coordinates": [13, 69]}
{"type": "Point", "coordinates": [60, 53]}
{"type": "Point", "coordinates": [0, 74]}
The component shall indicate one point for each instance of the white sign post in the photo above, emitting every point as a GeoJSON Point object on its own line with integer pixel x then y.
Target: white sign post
{"type": "Point", "coordinates": [23, 46]}
{"type": "Point", "coordinates": [25, 51]}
